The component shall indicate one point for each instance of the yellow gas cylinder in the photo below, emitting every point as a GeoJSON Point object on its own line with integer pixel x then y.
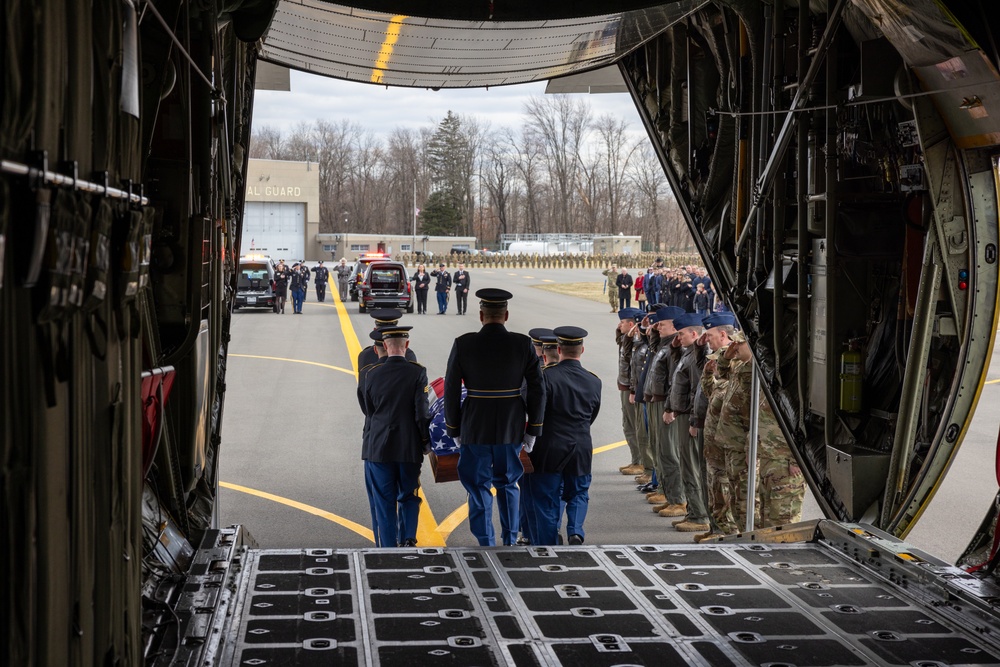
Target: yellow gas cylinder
{"type": "Point", "coordinates": [850, 380]}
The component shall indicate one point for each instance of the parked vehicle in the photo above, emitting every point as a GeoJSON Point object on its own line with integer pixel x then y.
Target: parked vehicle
{"type": "Point", "coordinates": [359, 270]}
{"type": "Point", "coordinates": [255, 283]}
{"type": "Point", "coordinates": [385, 283]}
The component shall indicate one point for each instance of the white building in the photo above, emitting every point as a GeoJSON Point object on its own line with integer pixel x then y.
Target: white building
{"type": "Point", "coordinates": [281, 214]}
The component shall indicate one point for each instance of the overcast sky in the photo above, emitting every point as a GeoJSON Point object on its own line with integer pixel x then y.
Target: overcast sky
{"type": "Point", "coordinates": [381, 110]}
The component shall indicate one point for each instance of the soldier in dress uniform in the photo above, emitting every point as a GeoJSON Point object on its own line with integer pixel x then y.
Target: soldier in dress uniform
{"type": "Point", "coordinates": [680, 404]}
{"type": "Point", "coordinates": [398, 438]}
{"type": "Point", "coordinates": [550, 349]}
{"type": "Point", "coordinates": [539, 337]}
{"type": "Point", "coordinates": [489, 425]}
{"type": "Point", "coordinates": [564, 453]}
{"type": "Point", "coordinates": [379, 347]}
{"type": "Point", "coordinates": [322, 276]}
{"type": "Point", "coordinates": [383, 317]}
{"type": "Point", "coordinates": [625, 341]}
{"type": "Point", "coordinates": [781, 484]}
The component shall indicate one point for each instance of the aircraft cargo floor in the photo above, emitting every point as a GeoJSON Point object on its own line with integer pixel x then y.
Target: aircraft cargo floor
{"type": "Point", "coordinates": [848, 596]}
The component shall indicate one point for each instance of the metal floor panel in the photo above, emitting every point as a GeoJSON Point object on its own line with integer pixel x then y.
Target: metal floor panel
{"type": "Point", "coordinates": [725, 604]}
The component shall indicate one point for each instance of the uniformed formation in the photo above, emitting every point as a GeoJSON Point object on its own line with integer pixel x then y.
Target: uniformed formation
{"type": "Point", "coordinates": [296, 281]}
{"type": "Point", "coordinates": [508, 390]}
{"type": "Point", "coordinates": [684, 382]}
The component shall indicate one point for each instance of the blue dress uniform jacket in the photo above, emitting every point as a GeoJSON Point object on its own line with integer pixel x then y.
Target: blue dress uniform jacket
{"type": "Point", "coordinates": [493, 362]}
{"type": "Point", "coordinates": [362, 376]}
{"type": "Point", "coordinates": [572, 401]}
{"type": "Point", "coordinates": [398, 415]}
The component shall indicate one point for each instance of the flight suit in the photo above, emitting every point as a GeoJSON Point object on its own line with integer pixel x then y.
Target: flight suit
{"type": "Point", "coordinates": [782, 486]}
{"type": "Point", "coordinates": [625, 344]}
{"type": "Point", "coordinates": [490, 423]}
{"type": "Point", "coordinates": [681, 402]}
{"type": "Point", "coordinates": [398, 436]}
{"type": "Point", "coordinates": [640, 356]}
{"type": "Point", "coordinates": [665, 443]}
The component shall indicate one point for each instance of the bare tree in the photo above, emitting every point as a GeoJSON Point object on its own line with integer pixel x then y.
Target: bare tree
{"type": "Point", "coordinates": [560, 124]}
{"type": "Point", "coordinates": [648, 178]}
{"type": "Point", "coordinates": [499, 171]}
{"type": "Point", "coordinates": [266, 143]}
{"type": "Point", "coordinates": [618, 152]}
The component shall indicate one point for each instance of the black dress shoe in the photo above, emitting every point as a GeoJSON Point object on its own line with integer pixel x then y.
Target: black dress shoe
{"type": "Point", "coordinates": [409, 542]}
{"type": "Point", "coordinates": [523, 541]}
{"type": "Point", "coordinates": [575, 539]}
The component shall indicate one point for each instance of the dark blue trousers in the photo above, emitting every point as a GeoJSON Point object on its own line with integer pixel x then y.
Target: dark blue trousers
{"type": "Point", "coordinates": [392, 492]}
{"type": "Point", "coordinates": [298, 296]}
{"type": "Point", "coordinates": [544, 488]}
{"type": "Point", "coordinates": [442, 301]}
{"type": "Point", "coordinates": [481, 467]}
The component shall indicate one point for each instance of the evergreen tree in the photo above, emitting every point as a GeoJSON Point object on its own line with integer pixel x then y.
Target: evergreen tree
{"type": "Point", "coordinates": [448, 157]}
{"type": "Point", "coordinates": [440, 216]}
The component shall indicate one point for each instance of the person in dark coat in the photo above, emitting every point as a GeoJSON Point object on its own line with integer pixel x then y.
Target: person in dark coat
{"type": "Point", "coordinates": [421, 282]}
{"type": "Point", "coordinates": [461, 282]}
{"type": "Point", "coordinates": [282, 276]}
{"type": "Point", "coordinates": [298, 286]}
{"type": "Point", "coordinates": [441, 287]}
{"type": "Point", "coordinates": [383, 317]}
{"type": "Point", "coordinates": [379, 347]}
{"type": "Point", "coordinates": [398, 438]}
{"type": "Point", "coordinates": [624, 282]}
{"type": "Point", "coordinates": [490, 425]}
{"type": "Point", "coordinates": [564, 452]}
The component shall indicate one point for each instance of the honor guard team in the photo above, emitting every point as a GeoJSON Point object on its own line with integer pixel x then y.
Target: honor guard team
{"type": "Point", "coordinates": [684, 381]}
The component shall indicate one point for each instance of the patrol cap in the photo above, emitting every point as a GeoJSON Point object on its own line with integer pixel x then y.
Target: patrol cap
{"type": "Point", "coordinates": [570, 335]}
{"type": "Point", "coordinates": [493, 296]}
{"type": "Point", "coordinates": [629, 313]}
{"type": "Point", "coordinates": [719, 320]}
{"type": "Point", "coordinates": [394, 331]}
{"type": "Point", "coordinates": [385, 316]}
{"type": "Point", "coordinates": [668, 313]}
{"type": "Point", "coordinates": [738, 337]}
{"type": "Point", "coordinates": [538, 335]}
{"type": "Point", "coordinates": [687, 320]}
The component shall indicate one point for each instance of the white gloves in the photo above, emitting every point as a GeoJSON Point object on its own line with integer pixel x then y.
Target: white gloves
{"type": "Point", "coordinates": [458, 443]}
{"type": "Point", "coordinates": [528, 442]}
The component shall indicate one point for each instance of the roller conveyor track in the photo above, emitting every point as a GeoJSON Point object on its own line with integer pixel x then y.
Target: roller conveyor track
{"type": "Point", "coordinates": [848, 596]}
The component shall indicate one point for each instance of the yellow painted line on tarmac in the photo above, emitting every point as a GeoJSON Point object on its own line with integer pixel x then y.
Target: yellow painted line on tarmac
{"type": "Point", "coordinates": [511, 274]}
{"type": "Point", "coordinates": [546, 280]}
{"type": "Point", "coordinates": [295, 361]}
{"type": "Point", "coordinates": [992, 381]}
{"type": "Point", "coordinates": [329, 516]}
{"type": "Point", "coordinates": [350, 338]}
{"type": "Point", "coordinates": [613, 445]}
{"type": "Point", "coordinates": [529, 277]}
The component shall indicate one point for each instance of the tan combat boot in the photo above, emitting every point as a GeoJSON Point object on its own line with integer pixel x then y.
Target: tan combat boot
{"type": "Point", "coordinates": [674, 510]}
{"type": "Point", "coordinates": [656, 499]}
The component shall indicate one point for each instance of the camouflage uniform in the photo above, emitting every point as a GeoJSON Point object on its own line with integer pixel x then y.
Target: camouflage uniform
{"type": "Point", "coordinates": [731, 437]}
{"type": "Point", "coordinates": [612, 276]}
{"type": "Point", "coordinates": [713, 384]}
{"type": "Point", "coordinates": [782, 485]}
{"type": "Point", "coordinates": [624, 388]}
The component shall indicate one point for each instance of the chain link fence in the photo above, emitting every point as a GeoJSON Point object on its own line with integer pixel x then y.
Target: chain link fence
{"type": "Point", "coordinates": [497, 261]}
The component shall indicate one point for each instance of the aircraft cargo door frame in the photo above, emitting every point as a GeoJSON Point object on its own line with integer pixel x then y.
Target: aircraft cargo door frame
{"type": "Point", "coordinates": [275, 228]}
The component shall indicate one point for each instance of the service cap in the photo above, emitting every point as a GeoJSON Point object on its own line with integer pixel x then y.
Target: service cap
{"type": "Point", "coordinates": [719, 320]}
{"type": "Point", "coordinates": [538, 334]}
{"type": "Point", "coordinates": [668, 313]}
{"type": "Point", "coordinates": [386, 316]}
{"type": "Point", "coordinates": [394, 331]}
{"type": "Point", "coordinates": [441, 265]}
{"type": "Point", "coordinates": [687, 320]}
{"type": "Point", "coordinates": [492, 296]}
{"type": "Point", "coordinates": [549, 340]}
{"type": "Point", "coordinates": [376, 336]}
{"type": "Point", "coordinates": [320, 262]}
{"type": "Point", "coordinates": [570, 335]}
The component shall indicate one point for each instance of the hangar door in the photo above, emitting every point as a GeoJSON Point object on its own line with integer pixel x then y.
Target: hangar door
{"type": "Point", "coordinates": [277, 229]}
